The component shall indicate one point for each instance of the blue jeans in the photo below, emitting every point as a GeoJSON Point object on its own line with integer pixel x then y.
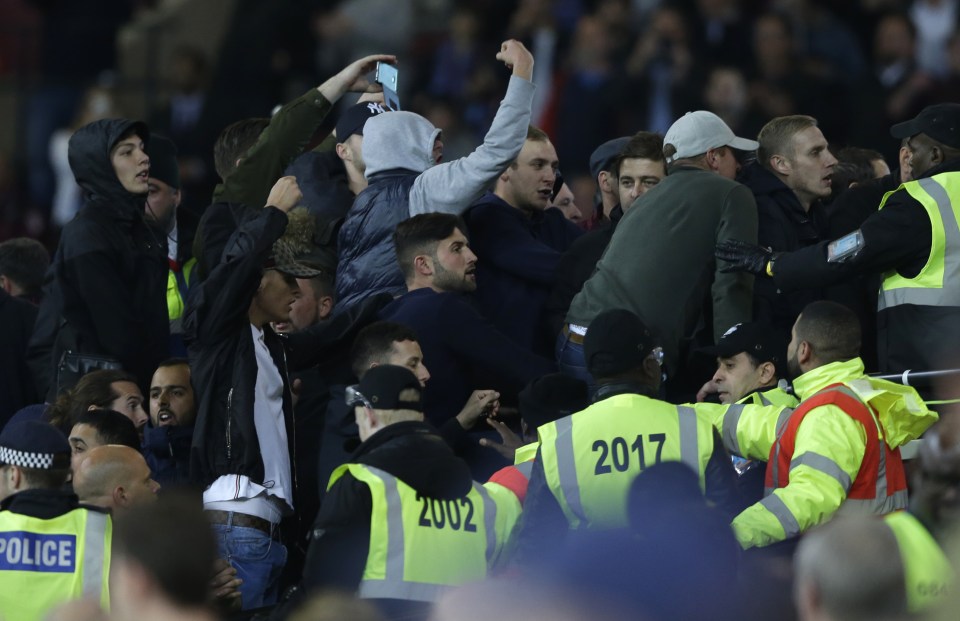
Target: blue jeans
{"type": "Point", "coordinates": [258, 560]}
{"type": "Point", "coordinates": [572, 362]}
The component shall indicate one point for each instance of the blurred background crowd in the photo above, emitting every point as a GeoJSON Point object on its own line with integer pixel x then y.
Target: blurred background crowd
{"type": "Point", "coordinates": [604, 68]}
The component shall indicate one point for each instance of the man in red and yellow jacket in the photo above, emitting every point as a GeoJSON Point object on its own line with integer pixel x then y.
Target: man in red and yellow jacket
{"type": "Point", "coordinates": [838, 452]}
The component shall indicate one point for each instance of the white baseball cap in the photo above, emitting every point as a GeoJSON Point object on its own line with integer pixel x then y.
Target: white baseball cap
{"type": "Point", "coordinates": [695, 133]}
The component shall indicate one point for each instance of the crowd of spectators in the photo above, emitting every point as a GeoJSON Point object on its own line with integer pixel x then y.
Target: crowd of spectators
{"type": "Point", "coordinates": [526, 346]}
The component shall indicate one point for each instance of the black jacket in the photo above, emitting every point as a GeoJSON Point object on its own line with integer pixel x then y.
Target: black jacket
{"type": "Point", "coordinates": [898, 237]}
{"type": "Point", "coordinates": [16, 385]}
{"type": "Point", "coordinates": [782, 225]}
{"type": "Point", "coordinates": [410, 451]}
{"type": "Point", "coordinates": [223, 362]}
{"type": "Point", "coordinates": [167, 452]}
{"type": "Point", "coordinates": [105, 293]}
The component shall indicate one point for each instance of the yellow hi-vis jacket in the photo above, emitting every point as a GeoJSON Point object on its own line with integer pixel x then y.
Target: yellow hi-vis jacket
{"type": "Point", "coordinates": [927, 572]}
{"type": "Point", "coordinates": [590, 458]}
{"type": "Point", "coordinates": [938, 283]}
{"type": "Point", "coordinates": [44, 563]}
{"type": "Point", "coordinates": [828, 450]}
{"type": "Point", "coordinates": [178, 283]}
{"type": "Point", "coordinates": [419, 546]}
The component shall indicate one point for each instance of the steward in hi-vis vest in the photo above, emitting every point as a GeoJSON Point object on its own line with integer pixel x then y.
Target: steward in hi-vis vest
{"type": "Point", "coordinates": [542, 401]}
{"type": "Point", "coordinates": [838, 451]}
{"type": "Point", "coordinates": [402, 521]}
{"type": "Point", "coordinates": [587, 461]}
{"type": "Point", "coordinates": [52, 549]}
{"type": "Point", "coordinates": [913, 241]}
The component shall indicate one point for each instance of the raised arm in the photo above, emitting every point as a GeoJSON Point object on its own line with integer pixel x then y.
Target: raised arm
{"type": "Point", "coordinates": [290, 132]}
{"type": "Point", "coordinates": [223, 299]}
{"type": "Point", "coordinates": [453, 186]}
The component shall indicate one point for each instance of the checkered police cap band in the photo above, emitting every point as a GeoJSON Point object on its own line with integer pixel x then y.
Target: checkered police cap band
{"type": "Point", "coordinates": [37, 461]}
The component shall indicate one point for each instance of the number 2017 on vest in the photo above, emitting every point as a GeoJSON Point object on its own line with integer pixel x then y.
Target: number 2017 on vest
{"type": "Point", "coordinates": [617, 452]}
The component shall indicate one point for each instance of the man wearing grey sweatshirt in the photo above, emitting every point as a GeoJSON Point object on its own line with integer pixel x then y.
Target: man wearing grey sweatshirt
{"type": "Point", "coordinates": [402, 151]}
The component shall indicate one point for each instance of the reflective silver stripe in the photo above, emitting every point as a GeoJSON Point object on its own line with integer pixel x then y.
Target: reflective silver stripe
{"type": "Point", "coordinates": [782, 419]}
{"type": "Point", "coordinates": [689, 442]}
{"type": "Point", "coordinates": [882, 472]}
{"type": "Point", "coordinates": [825, 465]}
{"type": "Point", "coordinates": [94, 549]}
{"type": "Point", "coordinates": [763, 400]}
{"type": "Point", "coordinates": [417, 591]}
{"type": "Point", "coordinates": [525, 468]}
{"type": "Point", "coordinates": [730, 421]}
{"type": "Point", "coordinates": [949, 294]}
{"type": "Point", "coordinates": [489, 521]}
{"type": "Point", "coordinates": [774, 505]}
{"type": "Point", "coordinates": [393, 573]}
{"type": "Point", "coordinates": [567, 467]}
{"type": "Point", "coordinates": [875, 506]}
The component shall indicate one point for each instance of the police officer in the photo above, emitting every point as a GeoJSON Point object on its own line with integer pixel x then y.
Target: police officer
{"type": "Point", "coordinates": [588, 460]}
{"type": "Point", "coordinates": [838, 452]}
{"type": "Point", "coordinates": [403, 521]}
{"type": "Point", "coordinates": [51, 549]}
{"type": "Point", "coordinates": [913, 240]}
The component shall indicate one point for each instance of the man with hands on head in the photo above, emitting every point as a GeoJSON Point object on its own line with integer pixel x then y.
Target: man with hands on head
{"type": "Point", "coordinates": [402, 152]}
{"type": "Point", "coordinates": [243, 433]}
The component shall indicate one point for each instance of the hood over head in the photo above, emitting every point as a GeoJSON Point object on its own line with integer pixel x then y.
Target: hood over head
{"type": "Point", "coordinates": [89, 156]}
{"type": "Point", "coordinates": [398, 140]}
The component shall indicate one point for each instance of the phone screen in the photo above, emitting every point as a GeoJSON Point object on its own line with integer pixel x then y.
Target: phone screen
{"type": "Point", "coordinates": [387, 75]}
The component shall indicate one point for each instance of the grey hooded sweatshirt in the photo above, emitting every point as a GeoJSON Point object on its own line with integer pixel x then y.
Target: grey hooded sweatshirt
{"type": "Point", "coordinates": [404, 182]}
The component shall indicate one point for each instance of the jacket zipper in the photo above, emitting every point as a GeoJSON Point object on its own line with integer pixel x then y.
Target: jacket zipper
{"type": "Point", "coordinates": [229, 421]}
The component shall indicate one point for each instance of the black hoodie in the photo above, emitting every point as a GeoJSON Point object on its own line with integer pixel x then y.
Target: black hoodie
{"type": "Point", "coordinates": [105, 293]}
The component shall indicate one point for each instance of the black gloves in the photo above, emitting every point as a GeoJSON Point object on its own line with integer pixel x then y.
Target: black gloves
{"type": "Point", "coordinates": [744, 257]}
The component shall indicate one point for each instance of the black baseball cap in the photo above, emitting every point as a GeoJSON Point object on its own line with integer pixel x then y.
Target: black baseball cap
{"type": "Point", "coordinates": [939, 121]}
{"type": "Point", "coordinates": [551, 398]}
{"type": "Point", "coordinates": [34, 444]}
{"type": "Point", "coordinates": [760, 340]}
{"type": "Point", "coordinates": [605, 155]}
{"type": "Point", "coordinates": [617, 340]}
{"type": "Point", "coordinates": [381, 387]}
{"type": "Point", "coordinates": [355, 117]}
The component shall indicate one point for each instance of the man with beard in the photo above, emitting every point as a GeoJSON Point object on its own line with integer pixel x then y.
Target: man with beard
{"type": "Point", "coordinates": [460, 345]}
{"type": "Point", "coordinates": [838, 452]}
{"type": "Point", "coordinates": [166, 441]}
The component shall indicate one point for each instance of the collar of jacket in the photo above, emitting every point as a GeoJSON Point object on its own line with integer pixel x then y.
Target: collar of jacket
{"type": "Point", "coordinates": [606, 391]}
{"type": "Point", "coordinates": [817, 379]}
{"type": "Point", "coordinates": [44, 504]}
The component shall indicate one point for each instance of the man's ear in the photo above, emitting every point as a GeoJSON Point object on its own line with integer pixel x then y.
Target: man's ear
{"type": "Point", "coordinates": [423, 265]}
{"type": "Point", "coordinates": [607, 181]}
{"type": "Point", "coordinates": [768, 371]}
{"type": "Point", "coordinates": [344, 152]}
{"type": "Point", "coordinates": [6, 284]}
{"type": "Point", "coordinates": [177, 198]}
{"type": "Point", "coordinates": [324, 306]}
{"type": "Point", "coordinates": [780, 164]}
{"type": "Point", "coordinates": [120, 498]}
{"type": "Point", "coordinates": [804, 352]}
{"type": "Point", "coordinates": [713, 159]}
